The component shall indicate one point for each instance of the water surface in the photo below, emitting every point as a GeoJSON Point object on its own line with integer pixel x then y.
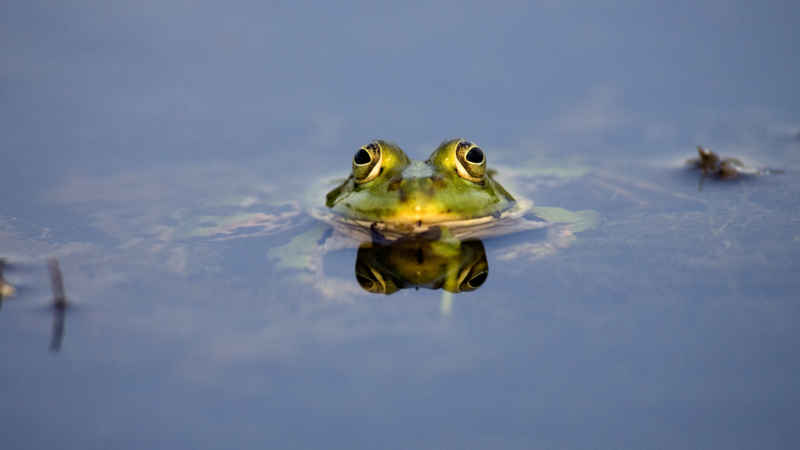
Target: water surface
{"type": "Point", "coordinates": [670, 324]}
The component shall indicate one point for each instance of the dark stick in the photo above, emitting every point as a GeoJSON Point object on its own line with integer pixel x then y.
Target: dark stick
{"type": "Point", "coordinates": [59, 304]}
{"type": "Point", "coordinates": [57, 284]}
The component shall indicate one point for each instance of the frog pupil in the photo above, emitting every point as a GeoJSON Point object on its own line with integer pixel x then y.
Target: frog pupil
{"type": "Point", "coordinates": [475, 155]}
{"type": "Point", "coordinates": [362, 157]}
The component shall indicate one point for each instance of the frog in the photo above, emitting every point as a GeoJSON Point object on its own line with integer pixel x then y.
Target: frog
{"type": "Point", "coordinates": [420, 223]}
{"type": "Point", "coordinates": [392, 195]}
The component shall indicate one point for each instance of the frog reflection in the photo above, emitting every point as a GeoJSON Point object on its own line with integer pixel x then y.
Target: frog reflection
{"type": "Point", "coordinates": [438, 263]}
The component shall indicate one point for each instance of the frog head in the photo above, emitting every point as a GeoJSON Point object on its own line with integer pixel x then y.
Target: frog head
{"type": "Point", "coordinates": [387, 186]}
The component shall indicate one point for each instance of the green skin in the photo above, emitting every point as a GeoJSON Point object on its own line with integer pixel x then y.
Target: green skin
{"type": "Point", "coordinates": [451, 185]}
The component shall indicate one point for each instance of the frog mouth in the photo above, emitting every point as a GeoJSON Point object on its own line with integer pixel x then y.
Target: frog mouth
{"type": "Point", "coordinates": [506, 221]}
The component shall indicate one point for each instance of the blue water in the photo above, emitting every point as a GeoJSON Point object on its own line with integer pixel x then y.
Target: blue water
{"type": "Point", "coordinates": [670, 324]}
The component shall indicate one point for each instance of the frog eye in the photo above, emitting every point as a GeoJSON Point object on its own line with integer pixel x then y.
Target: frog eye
{"type": "Point", "coordinates": [470, 161]}
{"type": "Point", "coordinates": [367, 163]}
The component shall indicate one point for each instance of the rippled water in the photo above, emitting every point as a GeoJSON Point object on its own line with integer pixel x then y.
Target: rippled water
{"type": "Point", "coordinates": [170, 191]}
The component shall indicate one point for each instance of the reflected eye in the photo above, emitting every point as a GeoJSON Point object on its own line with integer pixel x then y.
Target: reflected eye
{"type": "Point", "coordinates": [470, 161]}
{"type": "Point", "coordinates": [476, 281]}
{"type": "Point", "coordinates": [370, 278]}
{"type": "Point", "coordinates": [473, 276]}
{"type": "Point", "coordinates": [366, 283]}
{"type": "Point", "coordinates": [366, 163]}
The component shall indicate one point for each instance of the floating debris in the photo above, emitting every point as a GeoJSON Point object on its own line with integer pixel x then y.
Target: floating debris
{"type": "Point", "coordinates": [713, 165]}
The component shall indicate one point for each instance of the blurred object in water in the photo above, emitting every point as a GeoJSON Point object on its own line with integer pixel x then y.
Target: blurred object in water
{"type": "Point", "coordinates": [712, 165]}
{"type": "Point", "coordinates": [6, 289]}
{"type": "Point", "coordinates": [59, 304]}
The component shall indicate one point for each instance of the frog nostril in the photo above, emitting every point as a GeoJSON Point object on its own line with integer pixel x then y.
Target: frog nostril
{"type": "Point", "coordinates": [362, 157]}
{"type": "Point", "coordinates": [475, 155]}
